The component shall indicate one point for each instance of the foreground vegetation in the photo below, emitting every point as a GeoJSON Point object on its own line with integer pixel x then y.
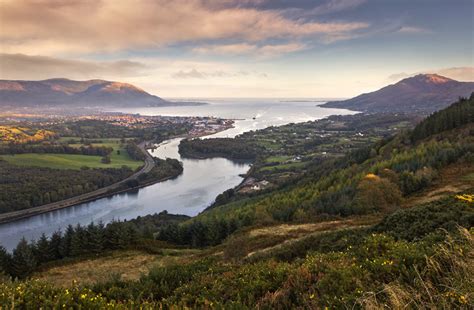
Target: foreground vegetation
{"type": "Point", "coordinates": [366, 267]}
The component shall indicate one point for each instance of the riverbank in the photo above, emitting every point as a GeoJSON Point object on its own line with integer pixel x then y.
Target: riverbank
{"type": "Point", "coordinates": [113, 189]}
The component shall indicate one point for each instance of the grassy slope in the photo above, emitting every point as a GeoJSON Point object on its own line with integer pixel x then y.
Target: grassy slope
{"type": "Point", "coordinates": [126, 265]}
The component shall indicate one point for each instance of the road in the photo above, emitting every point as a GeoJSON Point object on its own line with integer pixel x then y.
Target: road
{"type": "Point", "coordinates": [99, 193]}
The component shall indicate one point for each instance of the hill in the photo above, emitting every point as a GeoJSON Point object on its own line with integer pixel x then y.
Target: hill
{"type": "Point", "coordinates": [389, 227]}
{"type": "Point", "coordinates": [64, 92]}
{"type": "Point", "coordinates": [424, 93]}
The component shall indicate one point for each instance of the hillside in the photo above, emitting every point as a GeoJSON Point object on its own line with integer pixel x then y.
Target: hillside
{"type": "Point", "coordinates": [385, 227]}
{"type": "Point", "coordinates": [424, 93]}
{"type": "Point", "coordinates": [64, 92]}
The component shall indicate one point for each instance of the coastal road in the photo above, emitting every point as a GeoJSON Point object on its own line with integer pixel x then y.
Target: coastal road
{"type": "Point", "coordinates": [149, 163]}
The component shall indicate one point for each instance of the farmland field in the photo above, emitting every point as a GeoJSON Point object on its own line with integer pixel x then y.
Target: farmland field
{"type": "Point", "coordinates": [70, 161]}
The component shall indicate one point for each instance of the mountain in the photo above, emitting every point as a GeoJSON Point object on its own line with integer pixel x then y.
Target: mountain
{"type": "Point", "coordinates": [424, 93]}
{"type": "Point", "coordinates": [59, 92]}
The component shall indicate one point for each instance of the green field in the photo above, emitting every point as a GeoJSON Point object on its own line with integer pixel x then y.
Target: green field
{"type": "Point", "coordinates": [277, 159]}
{"type": "Point", "coordinates": [284, 166]}
{"type": "Point", "coordinates": [117, 158]}
{"type": "Point", "coordinates": [70, 161]}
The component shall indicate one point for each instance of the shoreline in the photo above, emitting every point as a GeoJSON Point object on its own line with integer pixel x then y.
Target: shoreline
{"type": "Point", "coordinates": [100, 193]}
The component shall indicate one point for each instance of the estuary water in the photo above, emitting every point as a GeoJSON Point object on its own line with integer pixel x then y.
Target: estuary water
{"type": "Point", "coordinates": [191, 192]}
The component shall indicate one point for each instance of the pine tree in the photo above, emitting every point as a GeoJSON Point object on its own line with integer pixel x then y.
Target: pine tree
{"type": "Point", "coordinates": [42, 250]}
{"type": "Point", "coordinates": [55, 245]}
{"type": "Point", "coordinates": [24, 262]}
{"type": "Point", "coordinates": [95, 236]}
{"type": "Point", "coordinates": [66, 241]}
{"type": "Point", "coordinates": [5, 261]}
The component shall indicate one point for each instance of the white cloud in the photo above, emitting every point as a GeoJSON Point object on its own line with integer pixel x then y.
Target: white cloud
{"type": "Point", "coordinates": [199, 74]}
{"type": "Point", "coordinates": [263, 51]}
{"type": "Point", "coordinates": [413, 30]}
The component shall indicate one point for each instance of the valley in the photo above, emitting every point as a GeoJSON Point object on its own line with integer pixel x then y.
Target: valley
{"type": "Point", "coordinates": [236, 154]}
{"type": "Point", "coordinates": [373, 198]}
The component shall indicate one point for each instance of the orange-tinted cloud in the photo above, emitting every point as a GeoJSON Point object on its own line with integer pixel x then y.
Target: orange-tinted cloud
{"type": "Point", "coordinates": [19, 66]}
{"type": "Point", "coordinates": [48, 27]}
{"type": "Point", "coordinates": [456, 73]}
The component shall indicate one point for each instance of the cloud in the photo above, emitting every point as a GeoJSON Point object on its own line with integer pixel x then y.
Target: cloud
{"type": "Point", "coordinates": [455, 73]}
{"type": "Point", "coordinates": [333, 6]}
{"type": "Point", "coordinates": [19, 66]}
{"type": "Point", "coordinates": [263, 51]}
{"type": "Point", "coordinates": [191, 74]}
{"type": "Point", "coordinates": [234, 49]}
{"type": "Point", "coordinates": [197, 74]}
{"type": "Point", "coordinates": [458, 73]}
{"type": "Point", "coordinates": [399, 76]}
{"type": "Point", "coordinates": [413, 30]}
{"type": "Point", "coordinates": [48, 27]}
{"type": "Point", "coordinates": [274, 50]}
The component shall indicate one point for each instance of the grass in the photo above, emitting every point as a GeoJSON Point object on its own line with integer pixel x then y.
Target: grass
{"type": "Point", "coordinates": [128, 265]}
{"type": "Point", "coordinates": [284, 166]}
{"type": "Point", "coordinates": [73, 161]}
{"type": "Point", "coordinates": [115, 143]}
{"type": "Point", "coordinates": [277, 159]}
{"type": "Point", "coordinates": [68, 161]}
{"type": "Point", "coordinates": [468, 177]}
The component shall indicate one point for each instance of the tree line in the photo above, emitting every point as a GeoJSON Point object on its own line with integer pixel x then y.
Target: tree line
{"type": "Point", "coordinates": [219, 147]}
{"type": "Point", "coordinates": [81, 240]}
{"type": "Point", "coordinates": [456, 115]}
{"type": "Point", "coordinates": [11, 149]}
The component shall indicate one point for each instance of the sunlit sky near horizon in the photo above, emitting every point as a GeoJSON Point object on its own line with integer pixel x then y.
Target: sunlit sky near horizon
{"type": "Point", "coordinates": [231, 48]}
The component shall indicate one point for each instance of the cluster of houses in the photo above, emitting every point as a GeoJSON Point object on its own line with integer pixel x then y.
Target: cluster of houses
{"type": "Point", "coordinates": [252, 185]}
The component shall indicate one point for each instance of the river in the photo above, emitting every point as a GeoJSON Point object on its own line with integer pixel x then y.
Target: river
{"type": "Point", "coordinates": [191, 192]}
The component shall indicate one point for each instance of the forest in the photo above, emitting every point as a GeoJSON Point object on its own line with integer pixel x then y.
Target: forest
{"type": "Point", "coordinates": [25, 188]}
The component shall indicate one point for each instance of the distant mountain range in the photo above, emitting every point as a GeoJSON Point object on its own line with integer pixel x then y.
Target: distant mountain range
{"type": "Point", "coordinates": [423, 93]}
{"type": "Point", "coordinates": [64, 92]}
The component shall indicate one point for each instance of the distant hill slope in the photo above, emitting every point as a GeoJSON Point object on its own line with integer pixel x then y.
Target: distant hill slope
{"type": "Point", "coordinates": [58, 92]}
{"type": "Point", "coordinates": [424, 93]}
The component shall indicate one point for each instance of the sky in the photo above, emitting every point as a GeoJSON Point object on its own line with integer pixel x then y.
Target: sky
{"type": "Point", "coordinates": [238, 48]}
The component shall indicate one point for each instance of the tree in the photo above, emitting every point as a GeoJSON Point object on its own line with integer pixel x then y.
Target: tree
{"type": "Point", "coordinates": [65, 248]}
{"type": "Point", "coordinates": [105, 159]}
{"type": "Point", "coordinates": [24, 262]}
{"type": "Point", "coordinates": [55, 245]}
{"type": "Point", "coordinates": [376, 194]}
{"type": "Point", "coordinates": [5, 261]}
{"type": "Point", "coordinates": [42, 250]}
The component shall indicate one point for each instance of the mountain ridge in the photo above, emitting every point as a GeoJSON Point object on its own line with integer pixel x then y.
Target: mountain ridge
{"type": "Point", "coordinates": [66, 92]}
{"type": "Point", "coordinates": [424, 93]}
